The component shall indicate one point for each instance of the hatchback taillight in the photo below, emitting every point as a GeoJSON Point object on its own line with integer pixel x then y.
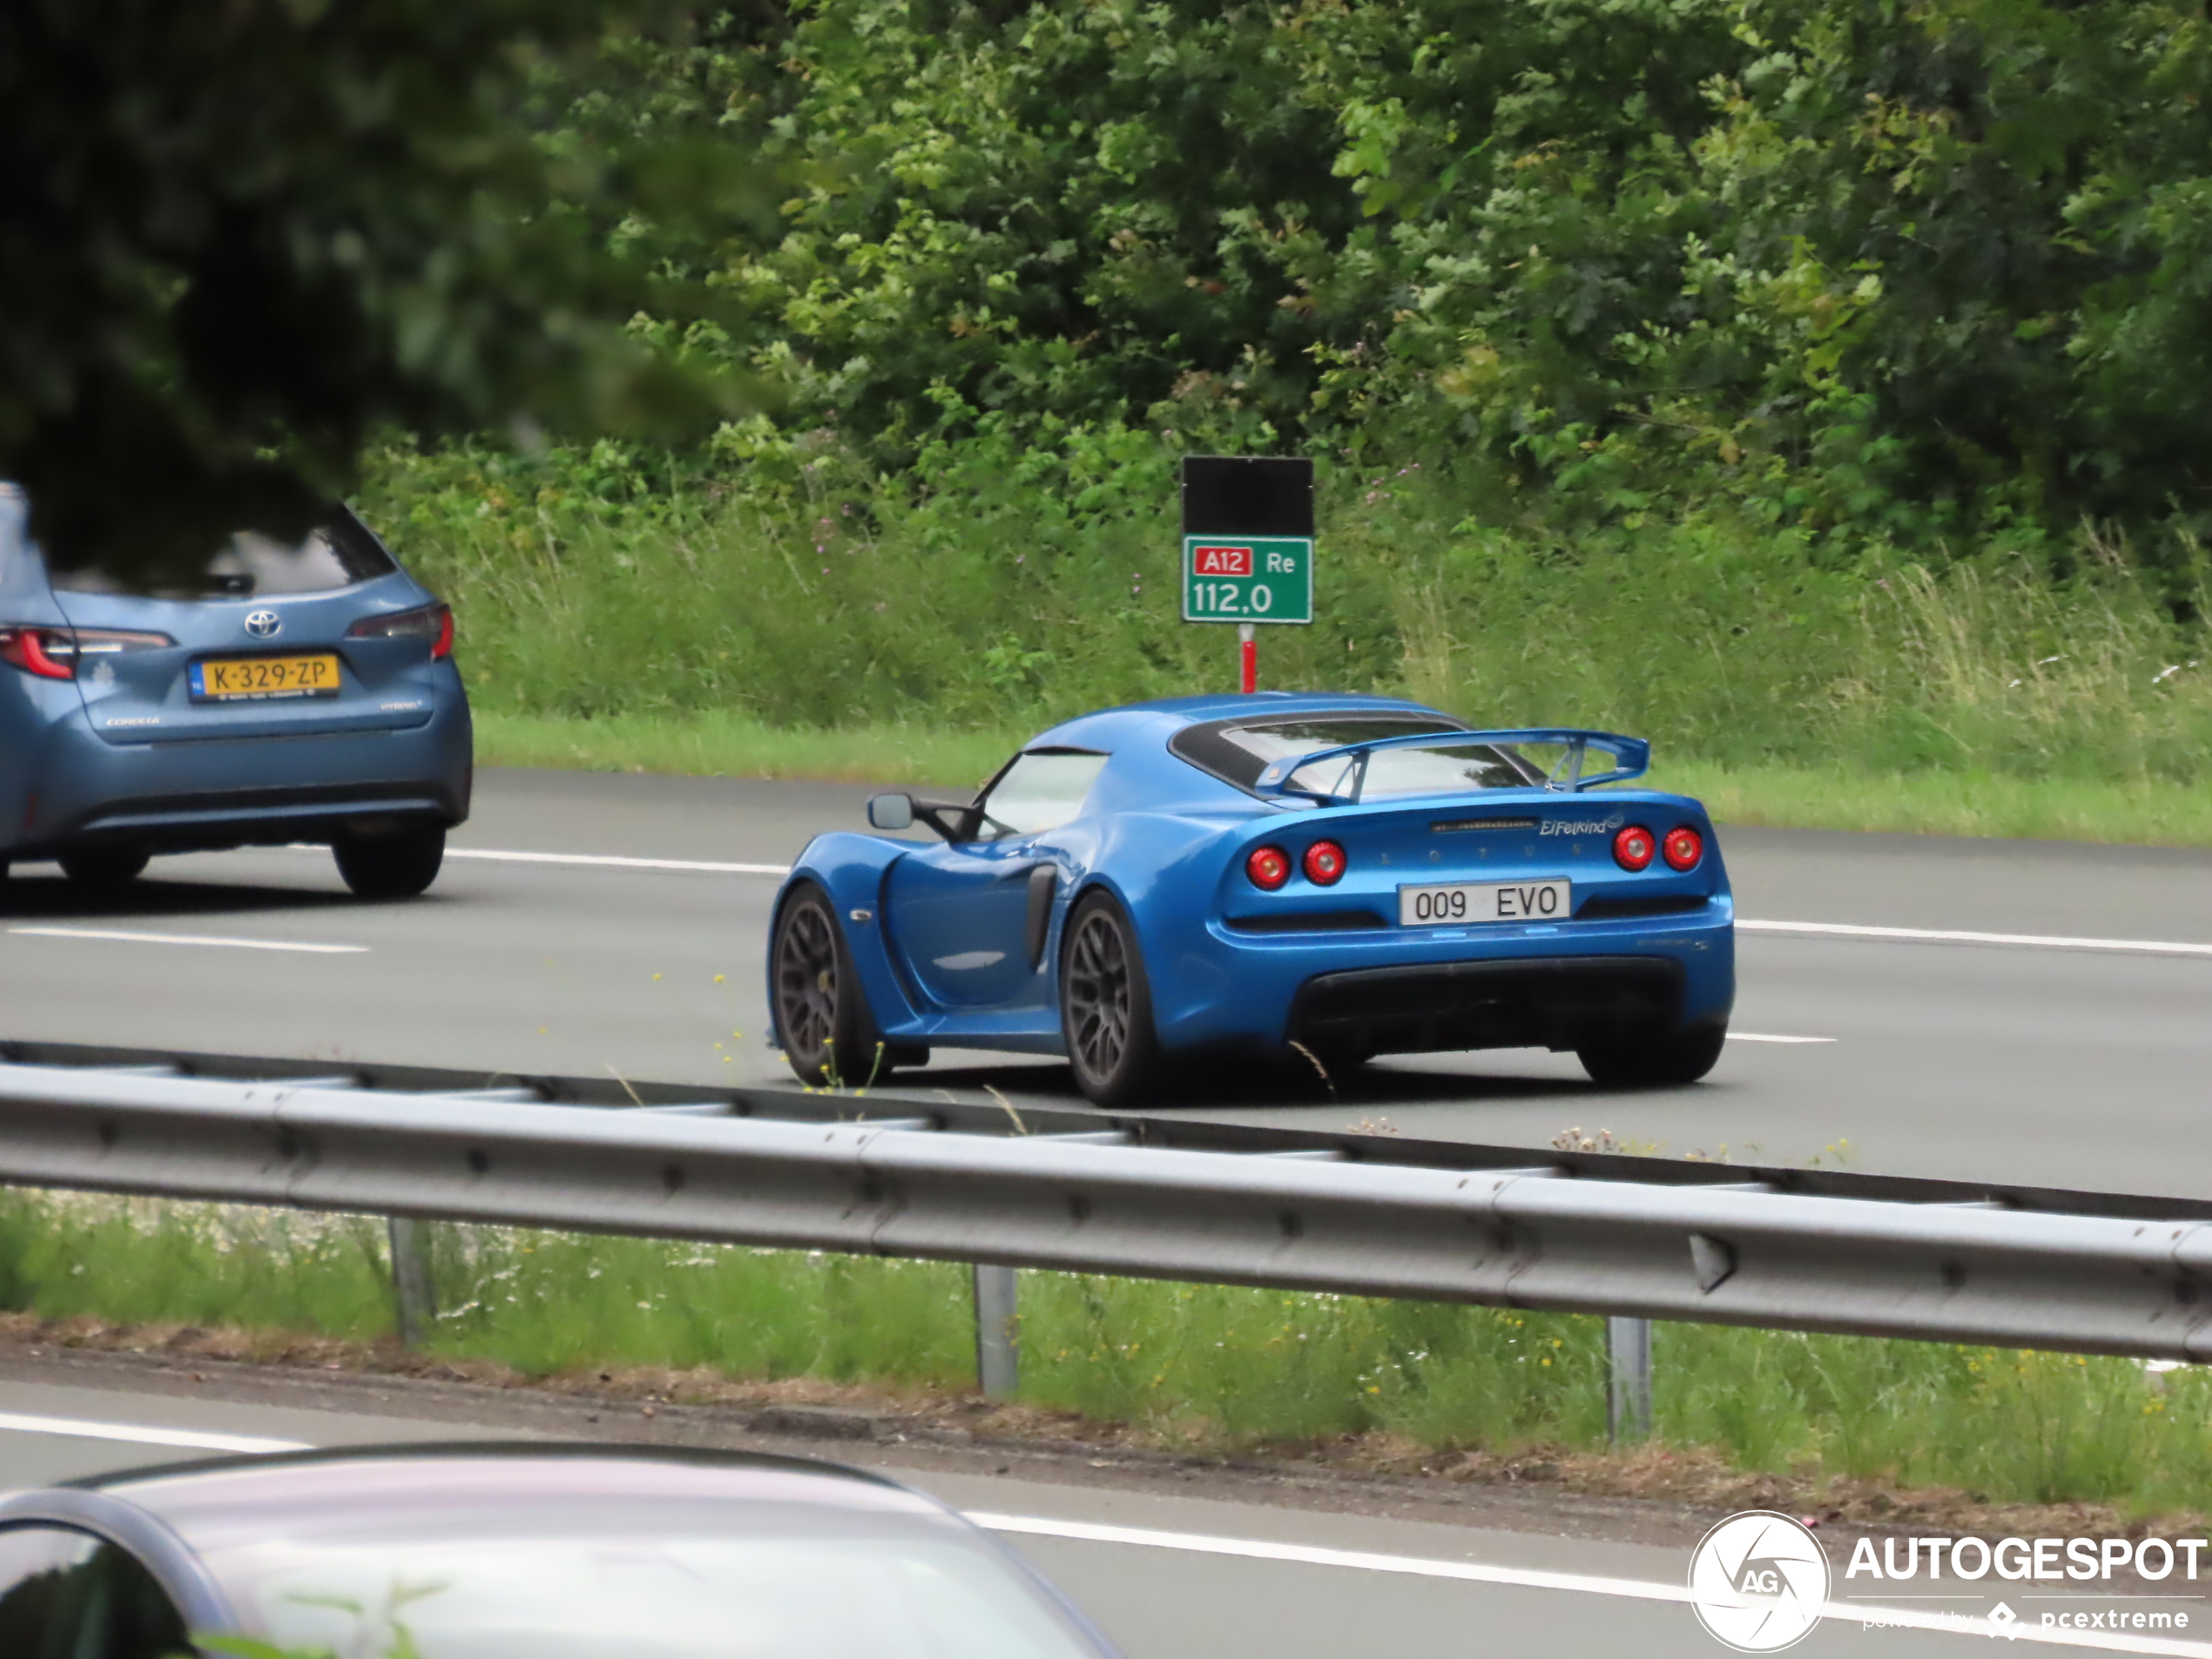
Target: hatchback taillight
{"type": "Point", "coordinates": [54, 653]}
{"type": "Point", "coordinates": [27, 649]}
{"type": "Point", "coordinates": [433, 623]}
{"type": "Point", "coordinates": [1682, 847]}
{"type": "Point", "coordinates": [1268, 867]}
{"type": "Point", "coordinates": [1633, 847]}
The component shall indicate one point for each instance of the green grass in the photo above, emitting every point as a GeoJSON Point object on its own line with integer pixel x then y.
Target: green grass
{"type": "Point", "coordinates": [1949, 803]}
{"type": "Point", "coordinates": [1190, 1365]}
{"type": "Point", "coordinates": [864, 630]}
{"type": "Point", "coordinates": [1929, 803]}
{"type": "Point", "coordinates": [736, 745]}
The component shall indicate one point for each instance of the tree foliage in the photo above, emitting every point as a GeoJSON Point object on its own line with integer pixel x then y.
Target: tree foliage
{"type": "Point", "coordinates": [1909, 268]}
{"type": "Point", "coordinates": [237, 238]}
{"type": "Point", "coordinates": [1906, 270]}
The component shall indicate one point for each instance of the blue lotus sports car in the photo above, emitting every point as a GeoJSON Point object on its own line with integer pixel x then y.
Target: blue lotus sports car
{"type": "Point", "coordinates": [1224, 876]}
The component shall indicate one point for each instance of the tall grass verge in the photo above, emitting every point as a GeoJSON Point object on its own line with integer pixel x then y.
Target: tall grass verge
{"type": "Point", "coordinates": [1197, 1365]}
{"type": "Point", "coordinates": [865, 628]}
{"type": "Point", "coordinates": [1926, 803]}
{"type": "Point", "coordinates": [727, 745]}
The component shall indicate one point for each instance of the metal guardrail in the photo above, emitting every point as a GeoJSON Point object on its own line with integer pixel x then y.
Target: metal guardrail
{"type": "Point", "coordinates": [902, 1176]}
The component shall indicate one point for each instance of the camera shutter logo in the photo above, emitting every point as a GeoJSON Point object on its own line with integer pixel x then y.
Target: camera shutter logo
{"type": "Point", "coordinates": [1758, 1581]}
{"type": "Point", "coordinates": [264, 624]}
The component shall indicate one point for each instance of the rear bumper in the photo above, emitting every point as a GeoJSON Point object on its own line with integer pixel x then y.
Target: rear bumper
{"type": "Point", "coordinates": [1540, 1002]}
{"type": "Point", "coordinates": [1408, 991]}
{"type": "Point", "coordinates": [198, 795]}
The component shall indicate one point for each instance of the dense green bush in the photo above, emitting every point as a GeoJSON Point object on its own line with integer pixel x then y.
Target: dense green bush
{"type": "Point", "coordinates": [1910, 271]}
{"type": "Point", "coordinates": [1794, 381]}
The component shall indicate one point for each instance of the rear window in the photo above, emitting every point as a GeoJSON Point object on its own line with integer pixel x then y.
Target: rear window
{"type": "Point", "coordinates": [1238, 750]}
{"type": "Point", "coordinates": [1419, 772]}
{"type": "Point", "coordinates": [252, 566]}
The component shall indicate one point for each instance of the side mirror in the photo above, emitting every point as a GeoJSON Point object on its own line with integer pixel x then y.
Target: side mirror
{"type": "Point", "coordinates": [890, 812]}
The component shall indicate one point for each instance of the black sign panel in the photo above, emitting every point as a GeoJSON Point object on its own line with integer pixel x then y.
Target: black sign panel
{"type": "Point", "coordinates": [1247, 496]}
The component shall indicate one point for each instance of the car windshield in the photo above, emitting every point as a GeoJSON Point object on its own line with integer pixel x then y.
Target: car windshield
{"type": "Point", "coordinates": [1041, 790]}
{"type": "Point", "coordinates": [670, 1589]}
{"type": "Point", "coordinates": [251, 565]}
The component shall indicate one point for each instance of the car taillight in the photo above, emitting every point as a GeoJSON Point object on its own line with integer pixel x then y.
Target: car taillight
{"type": "Point", "coordinates": [1633, 847]}
{"type": "Point", "coordinates": [27, 649]}
{"type": "Point", "coordinates": [433, 623]}
{"type": "Point", "coordinates": [1323, 864]}
{"type": "Point", "coordinates": [1268, 867]}
{"type": "Point", "coordinates": [1684, 847]}
{"type": "Point", "coordinates": [53, 653]}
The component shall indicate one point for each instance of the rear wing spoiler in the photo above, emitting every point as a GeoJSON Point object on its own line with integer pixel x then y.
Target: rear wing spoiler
{"type": "Point", "coordinates": [1631, 758]}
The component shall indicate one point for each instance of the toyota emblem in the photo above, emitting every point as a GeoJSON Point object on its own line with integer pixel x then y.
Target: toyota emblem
{"type": "Point", "coordinates": [263, 624]}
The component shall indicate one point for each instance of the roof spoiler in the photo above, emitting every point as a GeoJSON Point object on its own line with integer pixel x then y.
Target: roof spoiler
{"type": "Point", "coordinates": [1631, 758]}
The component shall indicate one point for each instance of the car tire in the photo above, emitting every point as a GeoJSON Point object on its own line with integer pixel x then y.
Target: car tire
{"type": "Point", "coordinates": [1653, 1059]}
{"type": "Point", "coordinates": [397, 865]}
{"type": "Point", "coordinates": [1106, 1007]}
{"type": "Point", "coordinates": [830, 1038]}
{"type": "Point", "coordinates": [103, 867]}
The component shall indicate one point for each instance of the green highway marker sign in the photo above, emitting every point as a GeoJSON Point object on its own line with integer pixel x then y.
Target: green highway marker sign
{"type": "Point", "coordinates": [1248, 579]}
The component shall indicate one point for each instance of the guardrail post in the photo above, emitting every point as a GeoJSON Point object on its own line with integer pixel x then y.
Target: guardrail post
{"type": "Point", "coordinates": [1627, 1354]}
{"type": "Point", "coordinates": [998, 1332]}
{"type": "Point", "coordinates": [414, 1297]}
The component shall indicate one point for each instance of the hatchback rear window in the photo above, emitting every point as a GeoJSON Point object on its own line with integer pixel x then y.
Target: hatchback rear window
{"type": "Point", "coordinates": [251, 565]}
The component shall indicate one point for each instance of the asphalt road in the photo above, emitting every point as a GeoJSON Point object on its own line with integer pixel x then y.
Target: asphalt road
{"type": "Point", "coordinates": [2045, 1063]}
{"type": "Point", "coordinates": [2051, 1064]}
{"type": "Point", "coordinates": [1166, 1576]}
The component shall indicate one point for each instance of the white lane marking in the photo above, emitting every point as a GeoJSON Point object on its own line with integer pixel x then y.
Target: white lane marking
{"type": "Point", "coordinates": [190, 939]}
{"type": "Point", "coordinates": [1834, 929]}
{"type": "Point", "coordinates": [590, 860]}
{"type": "Point", "coordinates": [1528, 1578]}
{"type": "Point", "coordinates": [1762, 1036]}
{"type": "Point", "coordinates": [1959, 937]}
{"type": "Point", "coordinates": [607, 861]}
{"type": "Point", "coordinates": [191, 1440]}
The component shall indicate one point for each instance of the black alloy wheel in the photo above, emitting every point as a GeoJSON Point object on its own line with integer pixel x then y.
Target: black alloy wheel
{"type": "Point", "coordinates": [1106, 1006]}
{"type": "Point", "coordinates": [822, 1016]}
{"type": "Point", "coordinates": [109, 867]}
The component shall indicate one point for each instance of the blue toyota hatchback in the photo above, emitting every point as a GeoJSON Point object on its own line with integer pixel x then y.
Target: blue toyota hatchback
{"type": "Point", "coordinates": [290, 693]}
{"type": "Point", "coordinates": [1342, 875]}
